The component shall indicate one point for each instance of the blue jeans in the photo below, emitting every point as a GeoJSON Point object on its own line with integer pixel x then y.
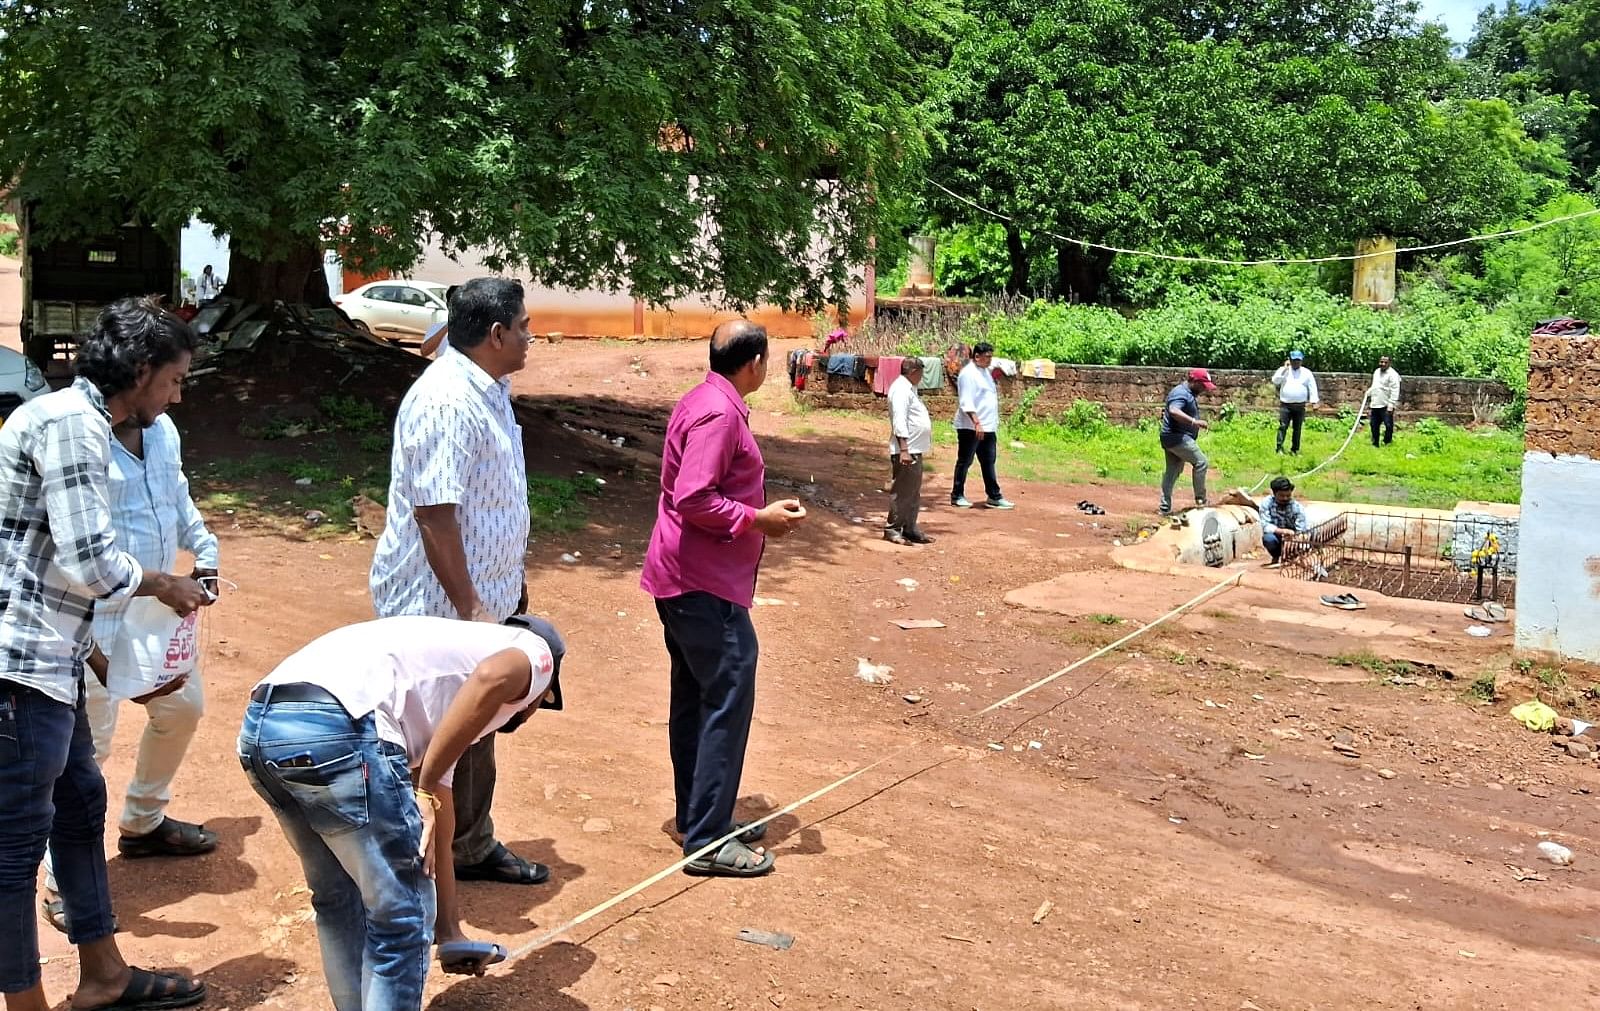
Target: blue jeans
{"type": "Point", "coordinates": [713, 649]}
{"type": "Point", "coordinates": [344, 800]}
{"type": "Point", "coordinates": [51, 792]}
{"type": "Point", "coordinates": [1274, 545]}
{"type": "Point", "coordinates": [1184, 451]}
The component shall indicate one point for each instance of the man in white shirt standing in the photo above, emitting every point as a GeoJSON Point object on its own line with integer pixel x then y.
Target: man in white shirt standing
{"type": "Point", "coordinates": [910, 439]}
{"type": "Point", "coordinates": [457, 524]}
{"type": "Point", "coordinates": [206, 286]}
{"type": "Point", "coordinates": [153, 517]}
{"type": "Point", "coordinates": [1383, 399]}
{"type": "Point", "coordinates": [1297, 389]}
{"type": "Point", "coordinates": [977, 421]}
{"type": "Point", "coordinates": [330, 741]}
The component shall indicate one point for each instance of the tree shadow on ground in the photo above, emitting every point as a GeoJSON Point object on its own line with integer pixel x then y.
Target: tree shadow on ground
{"type": "Point", "coordinates": [138, 887]}
{"type": "Point", "coordinates": [535, 981]}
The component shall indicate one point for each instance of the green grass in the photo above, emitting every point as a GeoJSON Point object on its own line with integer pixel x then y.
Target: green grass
{"type": "Point", "coordinates": [1374, 664]}
{"type": "Point", "coordinates": [261, 487]}
{"type": "Point", "coordinates": [1106, 619]}
{"type": "Point", "coordinates": [1429, 465]}
{"type": "Point", "coordinates": [555, 504]}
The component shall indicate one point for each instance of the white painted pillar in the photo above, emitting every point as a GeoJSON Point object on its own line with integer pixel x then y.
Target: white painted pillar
{"type": "Point", "coordinates": [1558, 569]}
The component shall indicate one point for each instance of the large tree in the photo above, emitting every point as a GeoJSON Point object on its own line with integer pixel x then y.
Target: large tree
{"type": "Point", "coordinates": [1246, 129]}
{"type": "Point", "coordinates": [1545, 57]}
{"type": "Point", "coordinates": [659, 147]}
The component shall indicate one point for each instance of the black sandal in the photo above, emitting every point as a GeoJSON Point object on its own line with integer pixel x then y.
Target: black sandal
{"type": "Point", "coordinates": [171, 838]}
{"type": "Point", "coordinates": [154, 991]}
{"type": "Point", "coordinates": [733, 860]}
{"type": "Point", "coordinates": [505, 867]}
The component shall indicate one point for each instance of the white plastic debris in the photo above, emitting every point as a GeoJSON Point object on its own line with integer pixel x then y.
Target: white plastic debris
{"type": "Point", "coordinates": [1555, 853]}
{"type": "Point", "coordinates": [908, 583]}
{"type": "Point", "coordinates": [873, 673]}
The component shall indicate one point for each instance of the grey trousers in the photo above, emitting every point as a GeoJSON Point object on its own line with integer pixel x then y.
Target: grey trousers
{"type": "Point", "coordinates": [906, 500]}
{"type": "Point", "coordinates": [474, 793]}
{"type": "Point", "coordinates": [1187, 451]}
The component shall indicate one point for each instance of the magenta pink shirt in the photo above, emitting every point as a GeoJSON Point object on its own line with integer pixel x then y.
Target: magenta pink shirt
{"type": "Point", "coordinates": [712, 483]}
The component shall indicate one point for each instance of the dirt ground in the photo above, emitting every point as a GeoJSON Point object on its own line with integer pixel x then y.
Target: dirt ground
{"type": "Point", "coordinates": [1199, 840]}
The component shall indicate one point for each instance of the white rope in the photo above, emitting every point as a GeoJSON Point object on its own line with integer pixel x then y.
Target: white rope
{"type": "Point", "coordinates": [666, 872]}
{"type": "Point", "coordinates": [1347, 440]}
{"type": "Point", "coordinates": [1275, 260]}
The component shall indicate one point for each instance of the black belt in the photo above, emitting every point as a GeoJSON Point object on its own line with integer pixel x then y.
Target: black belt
{"type": "Point", "coordinates": [297, 692]}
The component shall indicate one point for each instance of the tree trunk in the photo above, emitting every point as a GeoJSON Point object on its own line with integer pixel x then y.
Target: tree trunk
{"type": "Point", "coordinates": [1081, 273]}
{"type": "Point", "coordinates": [291, 273]}
{"type": "Point", "coordinates": [1017, 254]}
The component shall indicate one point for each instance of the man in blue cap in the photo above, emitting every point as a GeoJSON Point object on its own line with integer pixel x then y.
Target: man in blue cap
{"type": "Point", "coordinates": [1297, 388]}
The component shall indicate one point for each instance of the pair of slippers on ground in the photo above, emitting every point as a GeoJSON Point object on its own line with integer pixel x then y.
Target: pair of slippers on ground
{"type": "Point", "coordinates": [1488, 612]}
{"type": "Point", "coordinates": [1090, 508]}
{"type": "Point", "coordinates": [1344, 602]}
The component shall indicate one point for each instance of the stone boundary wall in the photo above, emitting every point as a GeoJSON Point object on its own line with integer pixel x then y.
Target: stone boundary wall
{"type": "Point", "coordinates": [1132, 393]}
{"type": "Point", "coordinates": [1560, 371]}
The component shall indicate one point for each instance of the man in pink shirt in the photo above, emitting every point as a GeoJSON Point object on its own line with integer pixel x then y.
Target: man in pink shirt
{"type": "Point", "coordinates": [711, 526]}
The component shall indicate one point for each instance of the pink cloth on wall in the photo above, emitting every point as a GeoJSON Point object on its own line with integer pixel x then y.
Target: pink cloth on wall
{"type": "Point", "coordinates": [888, 372]}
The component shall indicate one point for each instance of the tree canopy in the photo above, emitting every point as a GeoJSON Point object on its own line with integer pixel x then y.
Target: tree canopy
{"type": "Point", "coordinates": [1261, 129]}
{"type": "Point", "coordinates": [652, 146]}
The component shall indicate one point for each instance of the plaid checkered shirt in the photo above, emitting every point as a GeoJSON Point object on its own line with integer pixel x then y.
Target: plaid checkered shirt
{"type": "Point", "coordinates": [58, 554]}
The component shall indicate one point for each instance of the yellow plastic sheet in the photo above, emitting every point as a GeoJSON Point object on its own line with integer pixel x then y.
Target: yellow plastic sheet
{"type": "Point", "coordinates": [1535, 716]}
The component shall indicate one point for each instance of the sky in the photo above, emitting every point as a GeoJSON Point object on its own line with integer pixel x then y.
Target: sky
{"type": "Point", "coordinates": [1458, 16]}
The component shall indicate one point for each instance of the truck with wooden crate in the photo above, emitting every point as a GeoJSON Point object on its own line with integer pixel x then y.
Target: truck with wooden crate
{"type": "Point", "coordinates": [66, 283]}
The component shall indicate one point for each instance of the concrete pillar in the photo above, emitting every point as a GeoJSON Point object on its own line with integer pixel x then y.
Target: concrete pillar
{"type": "Point", "coordinates": [1558, 573]}
{"type": "Point", "coordinates": [1374, 275]}
{"type": "Point", "coordinates": [919, 276]}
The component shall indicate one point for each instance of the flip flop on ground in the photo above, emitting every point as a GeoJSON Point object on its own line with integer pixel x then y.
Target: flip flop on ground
{"type": "Point", "coordinates": [153, 991]}
{"type": "Point", "coordinates": [733, 860]}
{"type": "Point", "coordinates": [504, 866]}
{"type": "Point", "coordinates": [1344, 602]}
{"type": "Point", "coordinates": [1485, 615]}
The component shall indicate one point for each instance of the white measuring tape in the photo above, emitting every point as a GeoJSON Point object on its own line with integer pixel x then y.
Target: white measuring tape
{"type": "Point", "coordinates": [1218, 261]}
{"type": "Point", "coordinates": [666, 872]}
{"type": "Point", "coordinates": [1338, 453]}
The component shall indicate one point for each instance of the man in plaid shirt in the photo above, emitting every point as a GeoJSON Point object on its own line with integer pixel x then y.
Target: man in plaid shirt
{"type": "Point", "coordinates": [58, 556]}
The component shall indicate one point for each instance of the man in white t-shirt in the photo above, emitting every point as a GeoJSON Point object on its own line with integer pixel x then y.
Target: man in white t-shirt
{"type": "Point", "coordinates": [331, 740]}
{"type": "Point", "coordinates": [977, 423]}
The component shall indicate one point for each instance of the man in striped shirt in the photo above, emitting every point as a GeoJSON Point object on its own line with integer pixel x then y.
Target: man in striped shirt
{"type": "Point", "coordinates": [59, 555]}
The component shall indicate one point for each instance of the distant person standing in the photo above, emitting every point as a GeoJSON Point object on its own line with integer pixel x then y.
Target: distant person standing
{"type": "Point", "coordinates": [977, 425]}
{"type": "Point", "coordinates": [1180, 423]}
{"type": "Point", "coordinates": [207, 287]}
{"type": "Point", "coordinates": [1297, 389]}
{"type": "Point", "coordinates": [1383, 399]}
{"type": "Point", "coordinates": [910, 439]}
{"type": "Point", "coordinates": [712, 522]}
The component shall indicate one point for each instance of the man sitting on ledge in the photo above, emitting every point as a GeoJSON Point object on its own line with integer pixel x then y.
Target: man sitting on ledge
{"type": "Point", "coordinates": [1281, 519]}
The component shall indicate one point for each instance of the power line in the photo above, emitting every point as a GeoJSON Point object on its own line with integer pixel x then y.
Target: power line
{"type": "Point", "coordinates": [1218, 261]}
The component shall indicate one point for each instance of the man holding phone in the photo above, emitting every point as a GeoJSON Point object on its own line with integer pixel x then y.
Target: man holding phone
{"type": "Point", "coordinates": [712, 522]}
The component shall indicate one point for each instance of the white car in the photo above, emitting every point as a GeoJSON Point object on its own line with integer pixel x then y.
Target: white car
{"type": "Point", "coordinates": [20, 381]}
{"type": "Point", "coordinates": [396, 308]}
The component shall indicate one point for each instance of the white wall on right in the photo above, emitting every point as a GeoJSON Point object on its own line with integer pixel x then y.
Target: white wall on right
{"type": "Point", "coordinates": [1558, 571]}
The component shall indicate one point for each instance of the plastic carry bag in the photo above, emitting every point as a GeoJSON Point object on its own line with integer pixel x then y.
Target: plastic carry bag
{"type": "Point", "coordinates": [153, 648]}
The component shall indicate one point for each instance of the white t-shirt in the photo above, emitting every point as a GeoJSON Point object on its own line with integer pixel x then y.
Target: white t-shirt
{"type": "Point", "coordinates": [407, 670]}
{"type": "Point", "coordinates": [976, 394]}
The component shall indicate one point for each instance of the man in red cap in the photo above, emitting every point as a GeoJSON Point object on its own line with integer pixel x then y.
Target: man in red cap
{"type": "Point", "coordinates": [1180, 423]}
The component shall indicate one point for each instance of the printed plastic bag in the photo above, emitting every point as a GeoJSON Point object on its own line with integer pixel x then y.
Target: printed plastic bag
{"type": "Point", "coordinates": [153, 648]}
